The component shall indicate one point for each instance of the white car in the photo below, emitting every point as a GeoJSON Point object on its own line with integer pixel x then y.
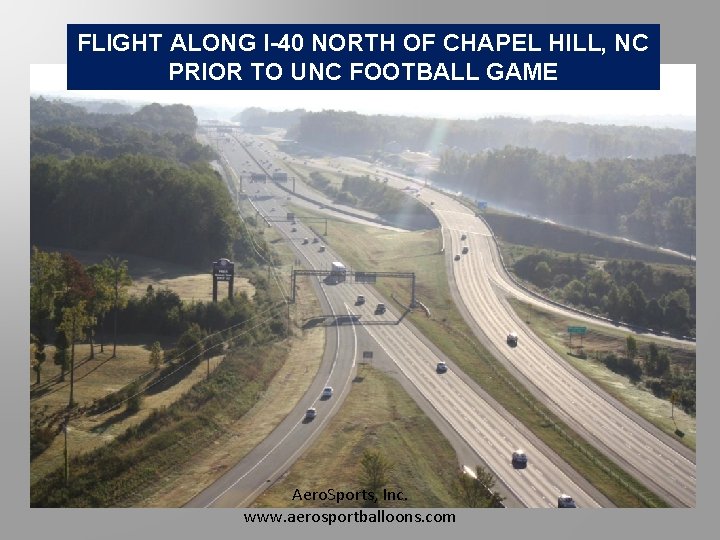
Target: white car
{"type": "Point", "coordinates": [327, 392]}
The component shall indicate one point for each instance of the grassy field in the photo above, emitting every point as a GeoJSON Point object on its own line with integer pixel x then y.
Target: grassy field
{"type": "Point", "coordinates": [552, 329]}
{"type": "Point", "coordinates": [378, 415]}
{"type": "Point", "coordinates": [96, 379]}
{"type": "Point", "coordinates": [187, 282]}
{"type": "Point", "coordinates": [377, 249]}
{"type": "Point", "coordinates": [228, 433]}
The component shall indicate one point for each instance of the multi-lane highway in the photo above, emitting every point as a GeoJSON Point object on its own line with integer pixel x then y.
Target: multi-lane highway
{"type": "Point", "coordinates": [481, 285]}
{"type": "Point", "coordinates": [489, 431]}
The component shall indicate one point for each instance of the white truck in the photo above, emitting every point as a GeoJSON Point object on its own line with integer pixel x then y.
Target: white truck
{"type": "Point", "coordinates": [338, 271]}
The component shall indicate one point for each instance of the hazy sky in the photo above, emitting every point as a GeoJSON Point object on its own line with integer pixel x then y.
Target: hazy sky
{"type": "Point", "coordinates": [676, 97]}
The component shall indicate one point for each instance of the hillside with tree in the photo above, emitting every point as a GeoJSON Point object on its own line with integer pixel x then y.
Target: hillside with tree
{"type": "Point", "coordinates": [353, 133]}
{"type": "Point", "coordinates": [649, 200]}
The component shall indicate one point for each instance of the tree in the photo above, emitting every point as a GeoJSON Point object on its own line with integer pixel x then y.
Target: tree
{"type": "Point", "coordinates": [39, 356]}
{"type": "Point", "coordinates": [134, 398]}
{"type": "Point", "coordinates": [613, 306]}
{"type": "Point", "coordinates": [651, 359]}
{"type": "Point", "coordinates": [375, 473]}
{"type": "Point", "coordinates": [633, 303]}
{"type": "Point", "coordinates": [46, 282]}
{"type": "Point", "coordinates": [189, 346]}
{"type": "Point", "coordinates": [102, 278]}
{"type": "Point", "coordinates": [543, 274]}
{"type": "Point", "coordinates": [61, 357]}
{"type": "Point", "coordinates": [156, 355]}
{"type": "Point", "coordinates": [120, 281]}
{"type": "Point", "coordinates": [631, 347]}
{"type": "Point", "coordinates": [574, 292]}
{"type": "Point", "coordinates": [476, 490]}
{"type": "Point", "coordinates": [654, 314]}
{"type": "Point", "coordinates": [75, 321]}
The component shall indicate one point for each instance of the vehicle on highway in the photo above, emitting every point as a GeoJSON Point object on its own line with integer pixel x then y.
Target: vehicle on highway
{"type": "Point", "coordinates": [566, 501]}
{"type": "Point", "coordinates": [441, 367]}
{"type": "Point", "coordinates": [310, 413]}
{"type": "Point", "coordinates": [294, 229]}
{"type": "Point", "coordinates": [327, 392]}
{"type": "Point", "coordinates": [338, 271]}
{"type": "Point", "coordinates": [306, 241]}
{"type": "Point", "coordinates": [457, 257]}
{"type": "Point", "coordinates": [322, 248]}
{"type": "Point", "coordinates": [380, 308]}
{"type": "Point", "coordinates": [316, 240]}
{"type": "Point", "coordinates": [465, 250]}
{"type": "Point", "coordinates": [360, 300]}
{"type": "Point", "coordinates": [512, 339]}
{"type": "Point", "coordinates": [519, 459]}
{"type": "Point", "coordinates": [463, 237]}
{"type": "Point", "coordinates": [272, 209]}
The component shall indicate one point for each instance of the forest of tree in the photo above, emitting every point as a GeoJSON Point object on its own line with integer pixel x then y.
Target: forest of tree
{"type": "Point", "coordinates": [353, 133]}
{"type": "Point", "coordinates": [390, 204]}
{"type": "Point", "coordinates": [649, 200]}
{"type": "Point", "coordinates": [628, 291]}
{"type": "Point", "coordinates": [135, 183]}
{"type": "Point", "coordinates": [133, 204]}
{"type": "Point", "coordinates": [155, 118]}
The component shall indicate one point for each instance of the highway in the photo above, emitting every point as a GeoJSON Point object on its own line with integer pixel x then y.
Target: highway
{"type": "Point", "coordinates": [481, 284]}
{"type": "Point", "coordinates": [491, 432]}
{"type": "Point", "coordinates": [640, 447]}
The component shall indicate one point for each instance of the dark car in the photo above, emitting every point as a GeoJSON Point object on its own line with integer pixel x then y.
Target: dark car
{"type": "Point", "coordinates": [566, 501]}
{"type": "Point", "coordinates": [441, 367]}
{"type": "Point", "coordinates": [519, 459]}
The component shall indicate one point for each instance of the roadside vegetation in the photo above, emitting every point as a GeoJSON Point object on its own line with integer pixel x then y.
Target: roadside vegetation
{"type": "Point", "coordinates": [657, 381]}
{"type": "Point", "coordinates": [128, 376]}
{"type": "Point", "coordinates": [660, 297]}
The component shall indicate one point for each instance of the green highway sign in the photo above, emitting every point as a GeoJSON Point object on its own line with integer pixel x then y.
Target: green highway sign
{"type": "Point", "coordinates": [582, 330]}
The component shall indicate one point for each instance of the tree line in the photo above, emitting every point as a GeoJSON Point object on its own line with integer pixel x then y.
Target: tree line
{"type": "Point", "coordinates": [628, 291]}
{"type": "Point", "coordinates": [376, 196]}
{"type": "Point", "coordinates": [69, 304]}
{"type": "Point", "coordinates": [649, 200]}
{"type": "Point", "coordinates": [350, 132]}
{"type": "Point", "coordinates": [154, 118]}
{"type": "Point", "coordinates": [135, 204]}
